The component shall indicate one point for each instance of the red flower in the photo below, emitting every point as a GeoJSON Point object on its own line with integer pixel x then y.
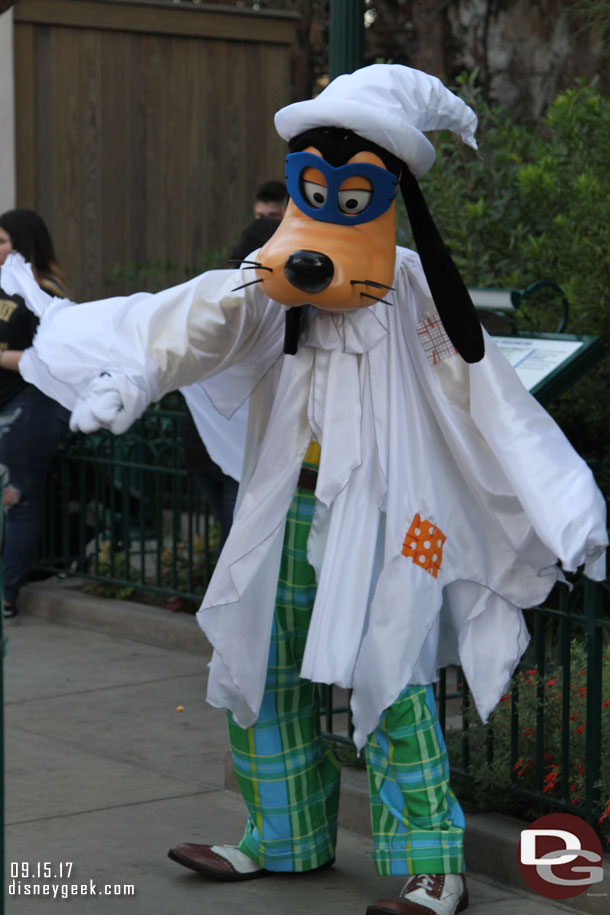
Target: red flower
{"type": "Point", "coordinates": [580, 729]}
{"type": "Point", "coordinates": [605, 813]}
{"type": "Point", "coordinates": [551, 779]}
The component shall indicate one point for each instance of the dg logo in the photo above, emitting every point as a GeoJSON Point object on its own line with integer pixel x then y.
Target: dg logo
{"type": "Point", "coordinates": [560, 856]}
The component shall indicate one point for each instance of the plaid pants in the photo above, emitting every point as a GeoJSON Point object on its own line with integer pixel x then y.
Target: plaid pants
{"type": "Point", "coordinates": [289, 777]}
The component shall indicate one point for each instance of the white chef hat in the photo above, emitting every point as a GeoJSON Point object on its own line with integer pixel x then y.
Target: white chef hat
{"type": "Point", "coordinates": [389, 104]}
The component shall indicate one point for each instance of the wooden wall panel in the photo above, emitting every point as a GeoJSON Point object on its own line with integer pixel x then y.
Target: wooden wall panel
{"type": "Point", "coordinates": [25, 120]}
{"type": "Point", "coordinates": [146, 145]}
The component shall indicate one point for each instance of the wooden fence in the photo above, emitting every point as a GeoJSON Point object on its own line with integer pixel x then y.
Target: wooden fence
{"type": "Point", "coordinates": [144, 128]}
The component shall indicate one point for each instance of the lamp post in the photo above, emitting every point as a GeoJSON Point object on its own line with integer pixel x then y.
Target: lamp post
{"type": "Point", "coordinates": [346, 45]}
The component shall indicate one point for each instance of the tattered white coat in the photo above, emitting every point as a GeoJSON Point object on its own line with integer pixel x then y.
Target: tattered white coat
{"type": "Point", "coordinates": [415, 443]}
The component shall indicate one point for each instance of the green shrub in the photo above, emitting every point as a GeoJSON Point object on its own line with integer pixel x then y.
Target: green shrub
{"type": "Point", "coordinates": [531, 204]}
{"type": "Point", "coordinates": [535, 205]}
{"type": "Point", "coordinates": [494, 780]}
{"type": "Point", "coordinates": [184, 568]}
{"type": "Point", "coordinates": [187, 568]}
{"type": "Point", "coordinates": [153, 275]}
{"type": "Point", "coordinates": [109, 565]}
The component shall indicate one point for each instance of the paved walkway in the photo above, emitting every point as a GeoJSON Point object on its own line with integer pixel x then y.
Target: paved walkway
{"type": "Point", "coordinates": [112, 756]}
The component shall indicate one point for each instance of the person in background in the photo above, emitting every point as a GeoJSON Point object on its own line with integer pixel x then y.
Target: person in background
{"type": "Point", "coordinates": [270, 199]}
{"type": "Point", "coordinates": [254, 236]}
{"type": "Point", "coordinates": [30, 423]}
{"type": "Point", "coordinates": [218, 488]}
{"type": "Point", "coordinates": [25, 231]}
{"type": "Point", "coordinates": [270, 202]}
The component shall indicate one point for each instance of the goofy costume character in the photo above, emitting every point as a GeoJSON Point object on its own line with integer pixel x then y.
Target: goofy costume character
{"type": "Point", "coordinates": [402, 496]}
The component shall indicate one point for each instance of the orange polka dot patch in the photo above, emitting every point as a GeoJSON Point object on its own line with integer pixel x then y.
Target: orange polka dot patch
{"type": "Point", "coordinates": [424, 545]}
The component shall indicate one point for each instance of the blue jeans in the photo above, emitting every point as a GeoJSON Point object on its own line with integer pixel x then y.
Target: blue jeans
{"type": "Point", "coordinates": [31, 425]}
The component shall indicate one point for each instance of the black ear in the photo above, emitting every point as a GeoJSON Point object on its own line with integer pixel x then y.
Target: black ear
{"type": "Point", "coordinates": [448, 289]}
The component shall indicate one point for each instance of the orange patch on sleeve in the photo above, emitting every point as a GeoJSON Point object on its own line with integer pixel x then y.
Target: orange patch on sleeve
{"type": "Point", "coordinates": [423, 544]}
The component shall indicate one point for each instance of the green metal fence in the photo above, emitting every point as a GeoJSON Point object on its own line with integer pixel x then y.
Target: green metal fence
{"type": "Point", "coordinates": [123, 515]}
{"type": "Point", "coordinates": [549, 740]}
{"type": "Point", "coordinates": [547, 747]}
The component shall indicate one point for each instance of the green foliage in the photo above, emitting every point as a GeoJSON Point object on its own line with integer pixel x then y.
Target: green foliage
{"type": "Point", "coordinates": [109, 565]}
{"type": "Point", "coordinates": [531, 204]}
{"type": "Point", "coordinates": [153, 275]}
{"type": "Point", "coordinates": [535, 205]}
{"type": "Point", "coordinates": [493, 781]}
{"type": "Point", "coordinates": [184, 568]}
{"type": "Point", "coordinates": [187, 568]}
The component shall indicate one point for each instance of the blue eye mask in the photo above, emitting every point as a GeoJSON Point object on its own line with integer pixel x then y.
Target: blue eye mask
{"type": "Point", "coordinates": [331, 204]}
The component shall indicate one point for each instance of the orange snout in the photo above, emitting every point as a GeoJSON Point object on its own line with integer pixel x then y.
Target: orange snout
{"type": "Point", "coordinates": [335, 267]}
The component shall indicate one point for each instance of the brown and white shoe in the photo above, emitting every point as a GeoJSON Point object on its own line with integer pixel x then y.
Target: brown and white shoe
{"type": "Point", "coordinates": [426, 894]}
{"type": "Point", "coordinates": [223, 862]}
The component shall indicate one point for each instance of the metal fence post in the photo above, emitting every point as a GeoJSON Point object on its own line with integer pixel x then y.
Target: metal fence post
{"type": "Point", "coordinates": [593, 610]}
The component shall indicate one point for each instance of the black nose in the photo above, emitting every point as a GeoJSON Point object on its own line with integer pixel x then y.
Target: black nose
{"type": "Point", "coordinates": [310, 271]}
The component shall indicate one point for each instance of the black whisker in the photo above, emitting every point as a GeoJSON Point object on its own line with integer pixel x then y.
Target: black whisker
{"type": "Point", "coordinates": [255, 264]}
{"type": "Point", "coordinates": [252, 283]}
{"type": "Point", "coordinates": [367, 296]}
{"type": "Point", "coordinates": [372, 283]}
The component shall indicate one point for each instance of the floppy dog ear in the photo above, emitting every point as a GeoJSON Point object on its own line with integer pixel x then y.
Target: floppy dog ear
{"type": "Point", "coordinates": [451, 297]}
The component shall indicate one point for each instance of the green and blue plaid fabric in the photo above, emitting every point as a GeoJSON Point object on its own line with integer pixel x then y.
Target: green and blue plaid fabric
{"type": "Point", "coordinates": [287, 774]}
{"type": "Point", "coordinates": [417, 823]}
{"type": "Point", "coordinates": [289, 777]}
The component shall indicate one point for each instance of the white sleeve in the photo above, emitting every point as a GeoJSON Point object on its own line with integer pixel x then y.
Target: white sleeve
{"type": "Point", "coordinates": [158, 342]}
{"type": "Point", "coordinates": [17, 278]}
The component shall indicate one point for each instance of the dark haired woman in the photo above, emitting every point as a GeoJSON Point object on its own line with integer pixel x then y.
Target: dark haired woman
{"type": "Point", "coordinates": [24, 231]}
{"type": "Point", "coordinates": [30, 423]}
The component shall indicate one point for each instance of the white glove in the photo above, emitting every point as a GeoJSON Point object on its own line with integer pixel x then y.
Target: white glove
{"type": "Point", "coordinates": [110, 402]}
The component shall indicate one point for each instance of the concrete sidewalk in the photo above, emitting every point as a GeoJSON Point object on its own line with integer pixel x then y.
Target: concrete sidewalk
{"type": "Point", "coordinates": [104, 773]}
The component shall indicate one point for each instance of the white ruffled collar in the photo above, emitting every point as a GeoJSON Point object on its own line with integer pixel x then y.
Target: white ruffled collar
{"type": "Point", "coordinates": [353, 332]}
